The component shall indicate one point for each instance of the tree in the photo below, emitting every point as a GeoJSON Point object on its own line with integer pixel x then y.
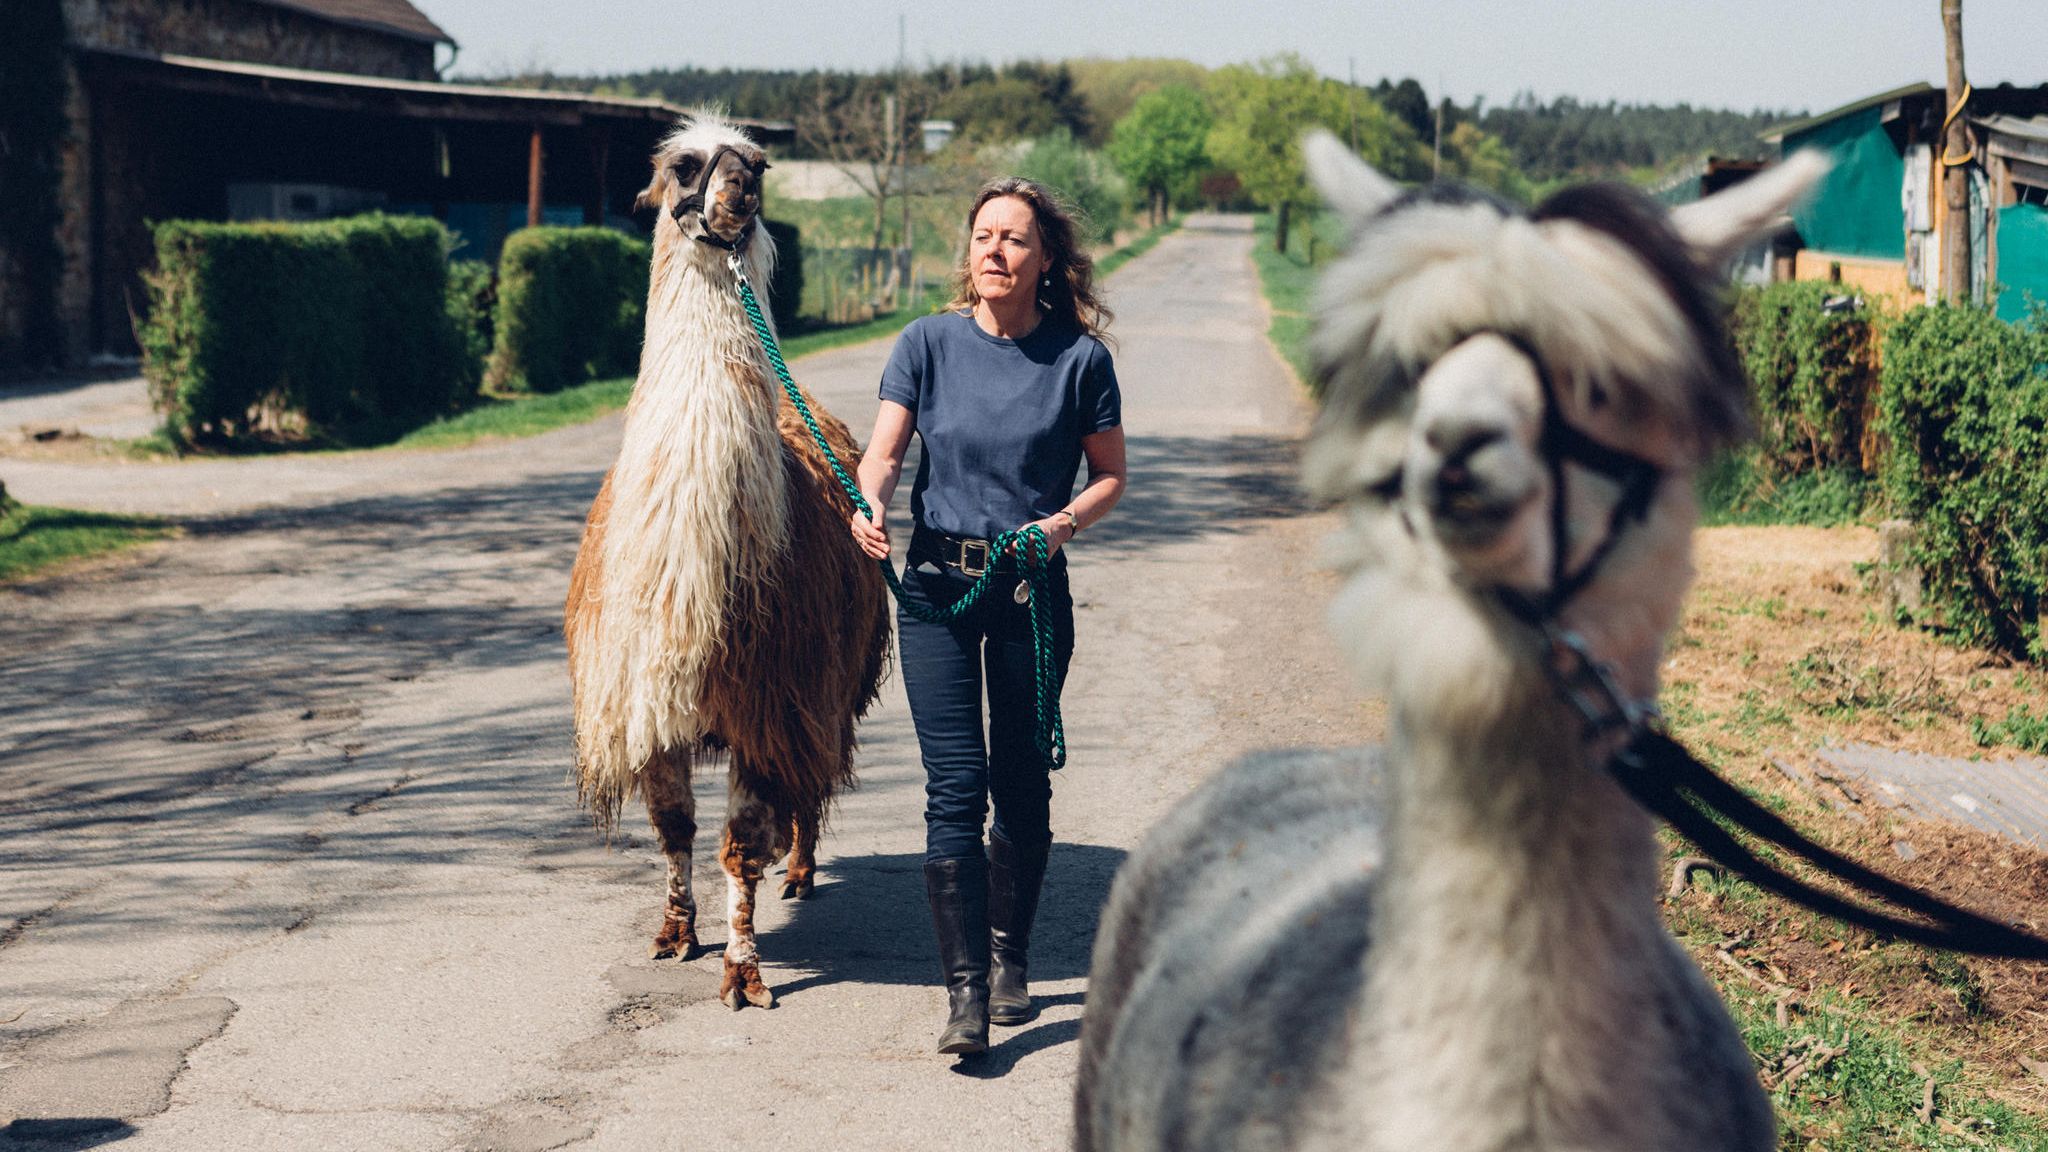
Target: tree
{"type": "Point", "coordinates": [1088, 183]}
{"type": "Point", "coordinates": [1112, 87]}
{"type": "Point", "coordinates": [1162, 146]}
{"type": "Point", "coordinates": [1261, 113]}
{"type": "Point", "coordinates": [867, 126]}
{"type": "Point", "coordinates": [998, 110]}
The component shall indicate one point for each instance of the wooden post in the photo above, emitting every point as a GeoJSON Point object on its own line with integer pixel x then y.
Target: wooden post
{"type": "Point", "coordinates": [1955, 176]}
{"type": "Point", "coordinates": [600, 156]}
{"type": "Point", "coordinates": [533, 169]}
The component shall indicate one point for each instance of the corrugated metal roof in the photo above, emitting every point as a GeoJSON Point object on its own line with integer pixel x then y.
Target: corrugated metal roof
{"type": "Point", "coordinates": [1779, 132]}
{"type": "Point", "coordinates": [2025, 127]}
{"type": "Point", "coordinates": [395, 16]}
{"type": "Point", "coordinates": [2005, 797]}
{"type": "Point", "coordinates": [436, 93]}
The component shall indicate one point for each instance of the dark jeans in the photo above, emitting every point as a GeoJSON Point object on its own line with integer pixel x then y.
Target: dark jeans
{"type": "Point", "coordinates": [945, 667]}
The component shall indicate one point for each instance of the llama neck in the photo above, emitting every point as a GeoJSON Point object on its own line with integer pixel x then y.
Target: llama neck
{"type": "Point", "coordinates": [700, 508]}
{"type": "Point", "coordinates": [1515, 931]}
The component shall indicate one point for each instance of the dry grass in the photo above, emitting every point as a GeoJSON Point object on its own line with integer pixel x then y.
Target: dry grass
{"type": "Point", "coordinates": [1786, 647]}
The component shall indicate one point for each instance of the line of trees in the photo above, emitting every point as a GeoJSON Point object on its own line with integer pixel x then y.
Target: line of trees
{"type": "Point", "coordinates": [1176, 132]}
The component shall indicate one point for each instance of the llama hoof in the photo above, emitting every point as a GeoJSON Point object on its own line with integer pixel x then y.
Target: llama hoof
{"type": "Point", "coordinates": [797, 889]}
{"type": "Point", "coordinates": [760, 997]}
{"type": "Point", "coordinates": [673, 940]}
{"type": "Point", "coordinates": [742, 986]}
{"type": "Point", "coordinates": [732, 999]}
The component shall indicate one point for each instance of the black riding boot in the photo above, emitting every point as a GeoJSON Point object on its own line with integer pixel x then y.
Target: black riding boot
{"type": "Point", "coordinates": [958, 891]}
{"type": "Point", "coordinates": [1014, 877]}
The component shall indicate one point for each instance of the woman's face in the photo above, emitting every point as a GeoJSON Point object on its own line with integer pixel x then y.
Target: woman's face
{"type": "Point", "coordinates": [1005, 253]}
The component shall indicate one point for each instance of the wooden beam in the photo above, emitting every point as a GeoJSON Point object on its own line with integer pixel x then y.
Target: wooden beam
{"type": "Point", "coordinates": [533, 176]}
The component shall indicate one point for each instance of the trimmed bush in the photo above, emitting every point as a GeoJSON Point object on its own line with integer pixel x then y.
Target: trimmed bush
{"type": "Point", "coordinates": [571, 307]}
{"type": "Point", "coordinates": [338, 330]}
{"type": "Point", "coordinates": [472, 295]}
{"type": "Point", "coordinates": [1813, 370]}
{"type": "Point", "coordinates": [1964, 405]}
{"type": "Point", "coordinates": [786, 291]}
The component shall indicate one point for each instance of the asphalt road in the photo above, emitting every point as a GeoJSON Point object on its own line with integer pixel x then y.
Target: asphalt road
{"type": "Point", "coordinates": [289, 858]}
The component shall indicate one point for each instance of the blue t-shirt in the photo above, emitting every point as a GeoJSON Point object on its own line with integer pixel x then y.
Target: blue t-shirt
{"type": "Point", "coordinates": [1001, 420]}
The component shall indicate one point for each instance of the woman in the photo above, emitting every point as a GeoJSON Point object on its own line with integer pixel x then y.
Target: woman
{"type": "Point", "coordinates": [1009, 388]}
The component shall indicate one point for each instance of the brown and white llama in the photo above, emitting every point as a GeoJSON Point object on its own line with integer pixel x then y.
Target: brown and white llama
{"type": "Point", "coordinates": [717, 603]}
{"type": "Point", "coordinates": [1453, 942]}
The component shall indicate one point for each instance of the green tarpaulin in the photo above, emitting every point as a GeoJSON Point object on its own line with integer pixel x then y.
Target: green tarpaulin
{"type": "Point", "coordinates": [2022, 258]}
{"type": "Point", "coordinates": [1856, 210]}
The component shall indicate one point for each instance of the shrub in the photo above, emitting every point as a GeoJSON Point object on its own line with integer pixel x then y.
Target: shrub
{"type": "Point", "coordinates": [472, 295]}
{"type": "Point", "coordinates": [786, 291]}
{"type": "Point", "coordinates": [337, 330]}
{"type": "Point", "coordinates": [572, 303]}
{"type": "Point", "coordinates": [1812, 369]}
{"type": "Point", "coordinates": [1085, 178]}
{"type": "Point", "coordinates": [1964, 404]}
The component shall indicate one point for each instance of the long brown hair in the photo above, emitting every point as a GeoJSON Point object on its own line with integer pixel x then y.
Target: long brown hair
{"type": "Point", "coordinates": [1066, 289]}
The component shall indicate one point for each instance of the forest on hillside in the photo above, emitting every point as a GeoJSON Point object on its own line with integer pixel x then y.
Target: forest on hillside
{"type": "Point", "coordinates": [1547, 139]}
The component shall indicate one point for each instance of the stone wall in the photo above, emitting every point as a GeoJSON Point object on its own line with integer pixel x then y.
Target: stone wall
{"type": "Point", "coordinates": [245, 31]}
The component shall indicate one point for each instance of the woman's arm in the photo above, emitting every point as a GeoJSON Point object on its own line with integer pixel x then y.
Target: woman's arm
{"type": "Point", "coordinates": [1105, 452]}
{"type": "Point", "coordinates": [881, 466]}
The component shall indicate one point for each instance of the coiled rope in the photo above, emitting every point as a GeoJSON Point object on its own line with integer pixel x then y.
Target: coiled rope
{"type": "Point", "coordinates": [1028, 544]}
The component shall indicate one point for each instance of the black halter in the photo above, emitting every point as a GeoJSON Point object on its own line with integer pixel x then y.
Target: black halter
{"type": "Point", "coordinates": [1658, 772]}
{"type": "Point", "coordinates": [695, 202]}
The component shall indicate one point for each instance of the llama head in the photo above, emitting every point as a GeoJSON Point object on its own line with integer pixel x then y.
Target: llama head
{"type": "Point", "coordinates": [707, 182]}
{"type": "Point", "coordinates": [1515, 404]}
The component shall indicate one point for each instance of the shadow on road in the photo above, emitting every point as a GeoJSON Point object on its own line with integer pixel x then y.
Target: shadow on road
{"type": "Point", "coordinates": [868, 921]}
{"type": "Point", "coordinates": [1195, 486]}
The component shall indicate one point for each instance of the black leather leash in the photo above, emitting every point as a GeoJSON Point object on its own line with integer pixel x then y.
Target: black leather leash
{"type": "Point", "coordinates": [1669, 781]}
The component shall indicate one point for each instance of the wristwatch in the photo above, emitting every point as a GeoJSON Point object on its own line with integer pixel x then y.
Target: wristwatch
{"type": "Point", "coordinates": [1073, 521]}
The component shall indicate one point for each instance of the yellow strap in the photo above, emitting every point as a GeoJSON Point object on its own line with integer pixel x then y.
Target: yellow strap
{"type": "Point", "coordinates": [1954, 112]}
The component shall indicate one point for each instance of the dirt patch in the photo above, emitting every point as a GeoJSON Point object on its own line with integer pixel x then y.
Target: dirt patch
{"type": "Point", "coordinates": [1785, 647]}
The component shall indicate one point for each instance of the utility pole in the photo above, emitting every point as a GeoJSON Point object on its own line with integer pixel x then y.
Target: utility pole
{"type": "Point", "coordinates": [1436, 153]}
{"type": "Point", "coordinates": [1352, 100]}
{"type": "Point", "coordinates": [1955, 172]}
{"type": "Point", "coordinates": [909, 139]}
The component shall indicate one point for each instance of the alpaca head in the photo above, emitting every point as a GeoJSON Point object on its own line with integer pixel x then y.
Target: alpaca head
{"type": "Point", "coordinates": [707, 183]}
{"type": "Point", "coordinates": [1515, 406]}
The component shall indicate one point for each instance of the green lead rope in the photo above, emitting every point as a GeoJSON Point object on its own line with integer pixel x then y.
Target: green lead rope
{"type": "Point", "coordinates": [1028, 543]}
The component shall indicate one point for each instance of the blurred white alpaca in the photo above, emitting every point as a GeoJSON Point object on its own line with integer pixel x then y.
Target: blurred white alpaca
{"type": "Point", "coordinates": [1453, 943]}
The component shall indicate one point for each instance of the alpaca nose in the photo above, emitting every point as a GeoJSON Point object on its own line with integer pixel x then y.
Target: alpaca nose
{"type": "Point", "coordinates": [1456, 441]}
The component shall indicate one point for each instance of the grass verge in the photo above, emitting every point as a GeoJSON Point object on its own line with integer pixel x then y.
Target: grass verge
{"type": "Point", "coordinates": [1734, 491]}
{"type": "Point", "coordinates": [1288, 280]}
{"type": "Point", "coordinates": [33, 537]}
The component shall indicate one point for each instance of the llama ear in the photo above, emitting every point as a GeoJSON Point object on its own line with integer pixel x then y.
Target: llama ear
{"type": "Point", "coordinates": [1347, 183]}
{"type": "Point", "coordinates": [650, 196]}
{"type": "Point", "coordinates": [1725, 223]}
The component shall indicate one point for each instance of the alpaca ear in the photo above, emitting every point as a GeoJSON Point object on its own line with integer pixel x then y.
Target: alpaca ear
{"type": "Point", "coordinates": [1347, 183]}
{"type": "Point", "coordinates": [1725, 223]}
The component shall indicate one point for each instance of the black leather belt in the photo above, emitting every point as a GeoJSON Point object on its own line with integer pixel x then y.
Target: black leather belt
{"type": "Point", "coordinates": [972, 557]}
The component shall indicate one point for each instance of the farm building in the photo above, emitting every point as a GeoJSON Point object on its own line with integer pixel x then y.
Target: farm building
{"type": "Point", "coordinates": [288, 109]}
{"type": "Point", "coordinates": [1875, 222]}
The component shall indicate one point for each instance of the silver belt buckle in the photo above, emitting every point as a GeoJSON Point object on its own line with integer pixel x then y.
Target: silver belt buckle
{"type": "Point", "coordinates": [973, 569]}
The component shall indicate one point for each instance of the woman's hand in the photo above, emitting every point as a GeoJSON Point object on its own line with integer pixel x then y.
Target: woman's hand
{"type": "Point", "coordinates": [871, 534]}
{"type": "Point", "coordinates": [1057, 532]}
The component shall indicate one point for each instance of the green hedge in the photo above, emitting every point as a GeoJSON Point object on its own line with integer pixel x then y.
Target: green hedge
{"type": "Point", "coordinates": [571, 307]}
{"type": "Point", "coordinates": [1813, 372]}
{"type": "Point", "coordinates": [1964, 406]}
{"type": "Point", "coordinates": [338, 330]}
{"type": "Point", "coordinates": [786, 290]}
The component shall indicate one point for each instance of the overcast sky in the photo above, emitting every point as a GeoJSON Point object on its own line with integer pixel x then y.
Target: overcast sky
{"type": "Point", "coordinates": [1782, 54]}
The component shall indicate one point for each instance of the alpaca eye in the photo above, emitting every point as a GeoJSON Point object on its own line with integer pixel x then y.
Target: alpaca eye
{"type": "Point", "coordinates": [688, 167]}
{"type": "Point", "coordinates": [1387, 489]}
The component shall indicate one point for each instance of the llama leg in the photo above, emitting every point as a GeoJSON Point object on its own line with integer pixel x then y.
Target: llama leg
{"type": "Point", "coordinates": [752, 826]}
{"type": "Point", "coordinates": [672, 810]}
{"type": "Point", "coordinates": [803, 857]}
